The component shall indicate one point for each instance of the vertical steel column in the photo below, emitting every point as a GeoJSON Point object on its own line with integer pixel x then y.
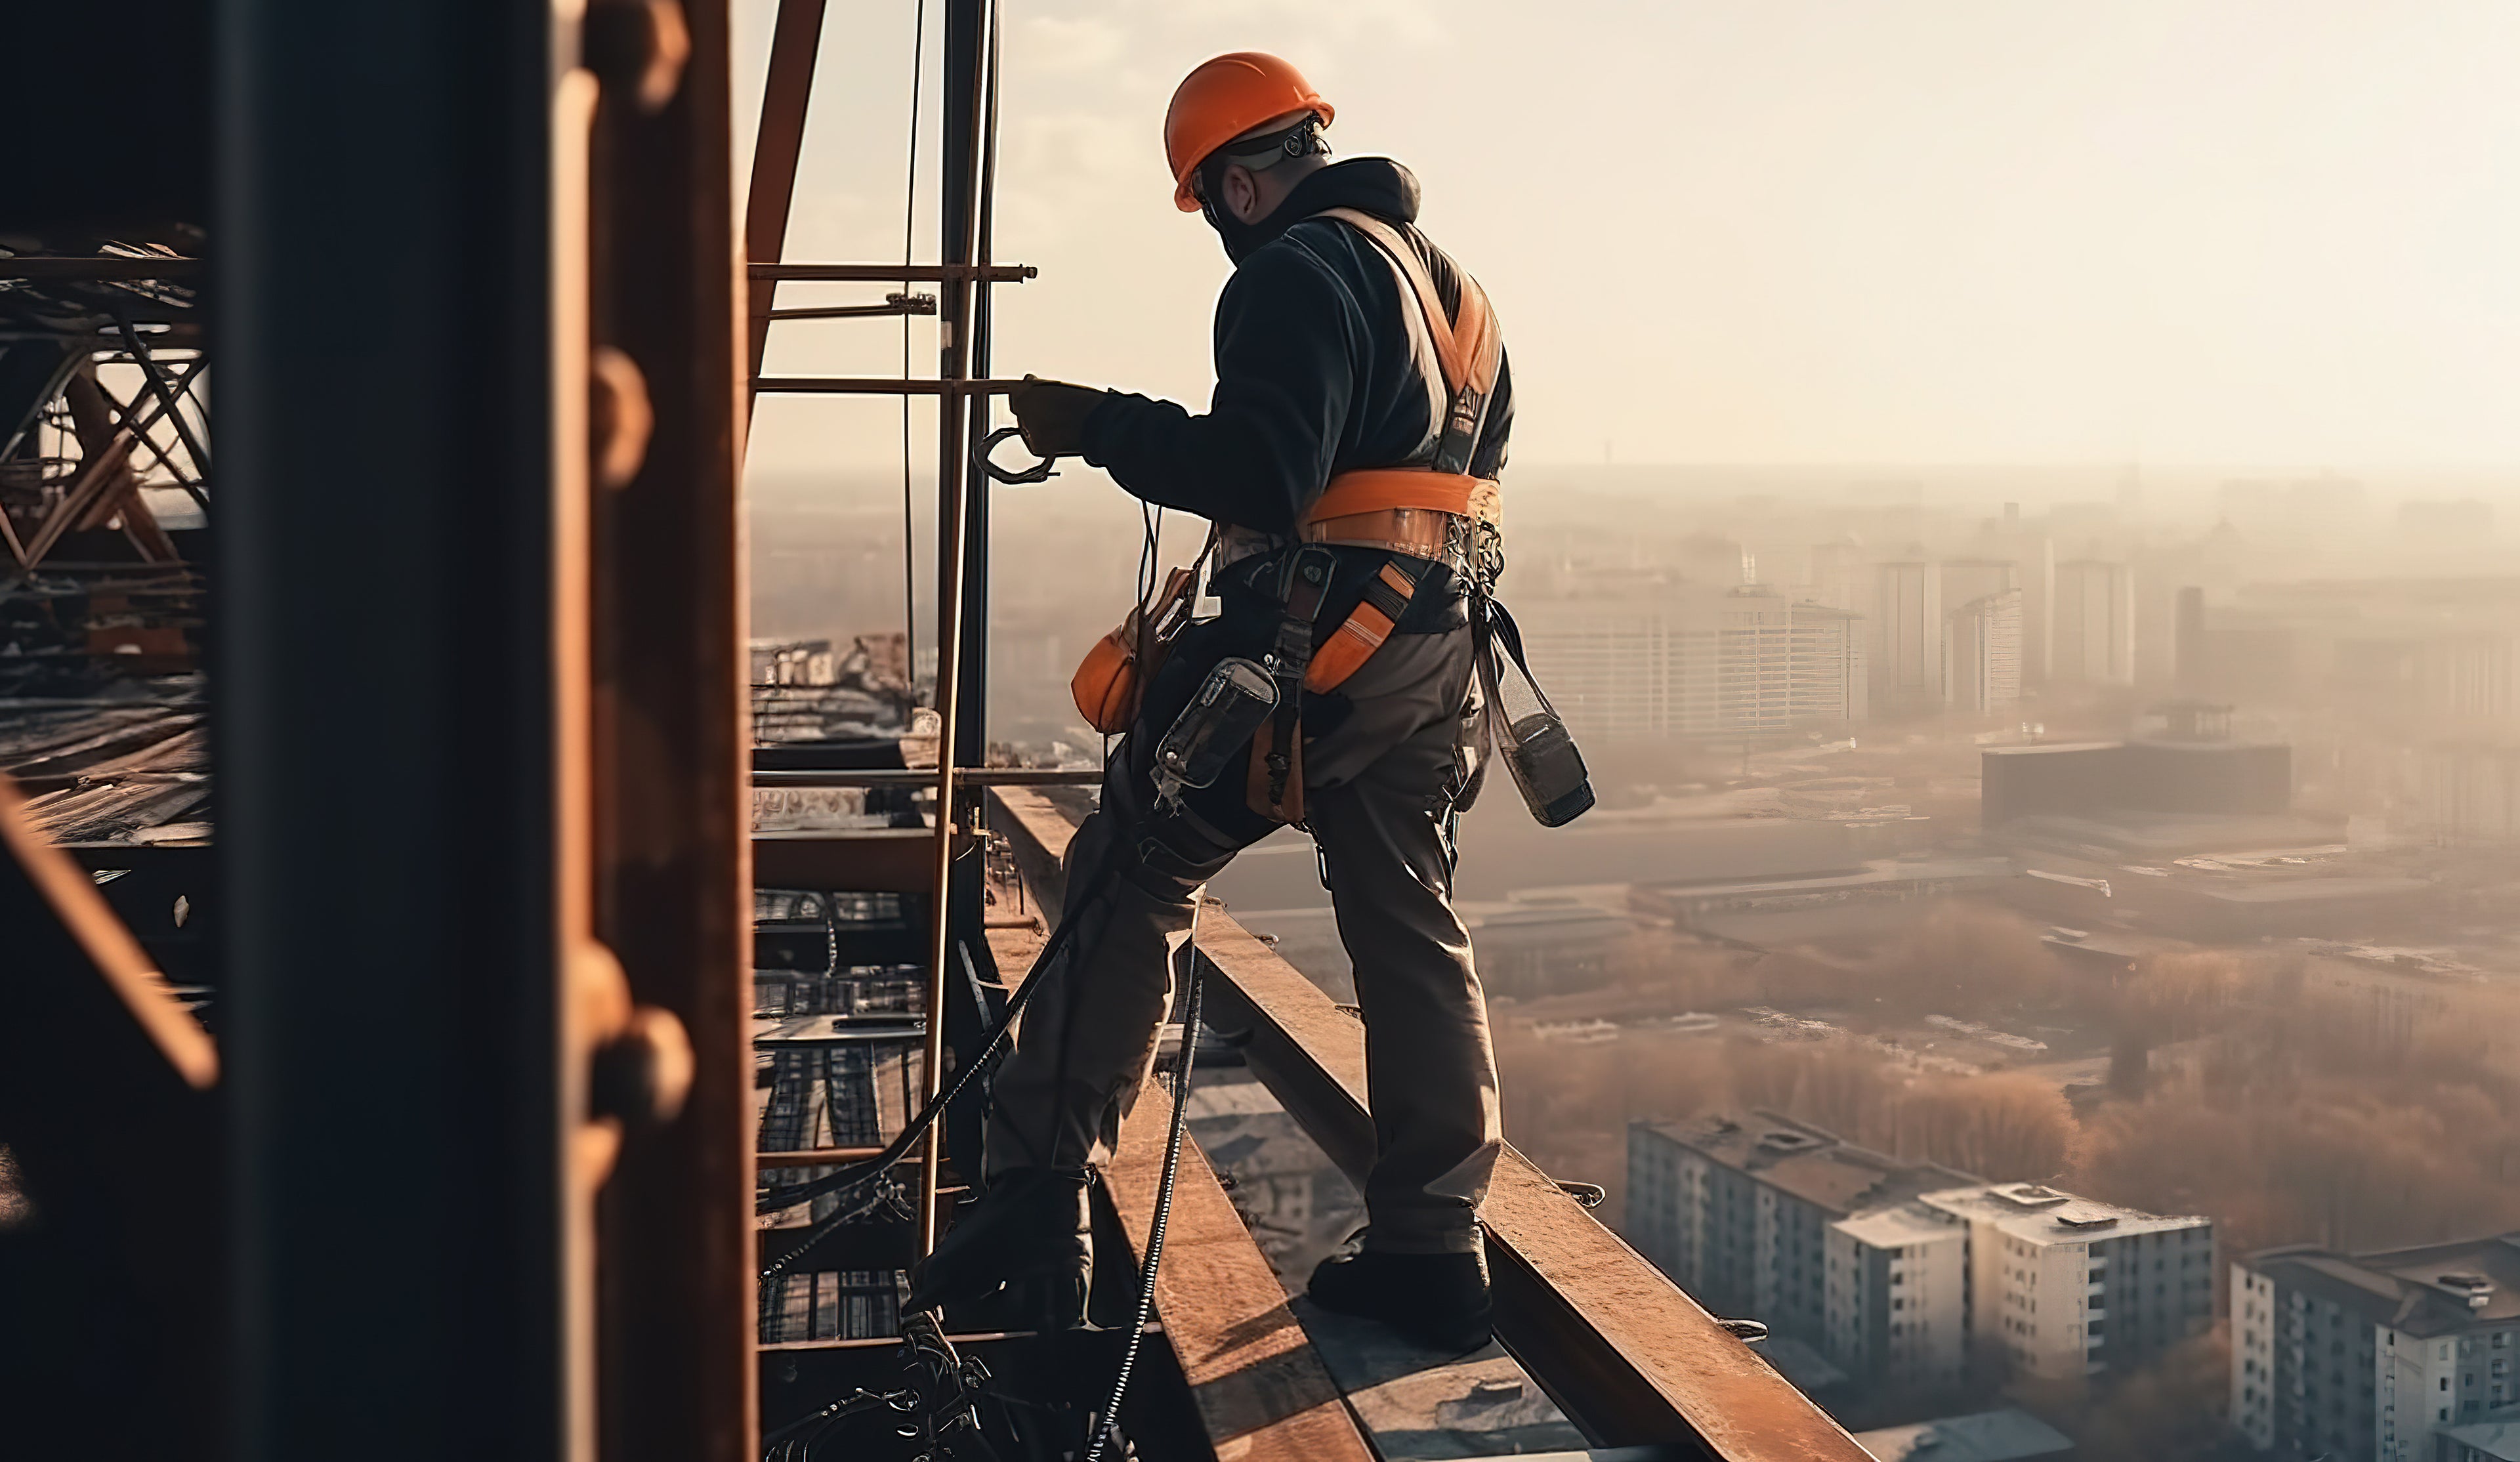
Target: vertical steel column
{"type": "Point", "coordinates": [959, 187]}
{"type": "Point", "coordinates": [672, 882]}
{"type": "Point", "coordinates": [402, 1099]}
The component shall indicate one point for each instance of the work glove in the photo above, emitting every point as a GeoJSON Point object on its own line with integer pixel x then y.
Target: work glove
{"type": "Point", "coordinates": [1051, 413]}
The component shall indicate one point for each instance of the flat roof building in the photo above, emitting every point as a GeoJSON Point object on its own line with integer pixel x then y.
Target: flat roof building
{"type": "Point", "coordinates": [2402, 1355]}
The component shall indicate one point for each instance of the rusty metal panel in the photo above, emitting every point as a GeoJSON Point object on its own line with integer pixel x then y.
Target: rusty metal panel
{"type": "Point", "coordinates": [670, 726]}
{"type": "Point", "coordinates": [866, 860]}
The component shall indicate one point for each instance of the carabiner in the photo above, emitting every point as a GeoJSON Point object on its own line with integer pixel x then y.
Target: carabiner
{"type": "Point", "coordinates": [1039, 471]}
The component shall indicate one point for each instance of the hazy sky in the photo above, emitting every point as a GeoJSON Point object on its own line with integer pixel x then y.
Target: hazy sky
{"type": "Point", "coordinates": [1778, 231]}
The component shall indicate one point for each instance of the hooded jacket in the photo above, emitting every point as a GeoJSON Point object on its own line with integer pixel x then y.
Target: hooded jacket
{"type": "Point", "coordinates": [1318, 368]}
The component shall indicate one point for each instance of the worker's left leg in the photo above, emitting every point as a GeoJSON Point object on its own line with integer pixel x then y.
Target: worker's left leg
{"type": "Point", "coordinates": [1430, 1070]}
{"type": "Point", "coordinates": [1088, 1034]}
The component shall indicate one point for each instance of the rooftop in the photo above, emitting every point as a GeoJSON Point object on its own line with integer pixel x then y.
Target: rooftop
{"type": "Point", "coordinates": [2434, 1290]}
{"type": "Point", "coordinates": [1985, 1437]}
{"type": "Point", "coordinates": [2039, 1214]}
{"type": "Point", "coordinates": [1811, 1163]}
{"type": "Point", "coordinates": [1905, 1223]}
{"type": "Point", "coordinates": [2499, 1440]}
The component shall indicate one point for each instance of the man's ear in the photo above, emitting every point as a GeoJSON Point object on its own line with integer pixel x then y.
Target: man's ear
{"type": "Point", "coordinates": [1241, 193]}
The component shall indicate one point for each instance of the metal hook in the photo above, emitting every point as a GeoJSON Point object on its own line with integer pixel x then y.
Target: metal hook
{"type": "Point", "coordinates": [1039, 471]}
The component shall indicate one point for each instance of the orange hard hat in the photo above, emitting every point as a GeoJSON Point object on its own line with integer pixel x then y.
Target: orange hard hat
{"type": "Point", "coordinates": [1222, 99]}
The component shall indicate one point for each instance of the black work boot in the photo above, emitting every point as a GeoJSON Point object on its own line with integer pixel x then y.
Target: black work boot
{"type": "Point", "coordinates": [1019, 1259]}
{"type": "Point", "coordinates": [1438, 1301]}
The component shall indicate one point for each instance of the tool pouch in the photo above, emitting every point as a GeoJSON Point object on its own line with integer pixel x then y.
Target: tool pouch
{"type": "Point", "coordinates": [1537, 750]}
{"type": "Point", "coordinates": [1112, 680]}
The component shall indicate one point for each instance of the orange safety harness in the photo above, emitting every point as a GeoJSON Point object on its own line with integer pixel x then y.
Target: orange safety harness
{"type": "Point", "coordinates": [1424, 513]}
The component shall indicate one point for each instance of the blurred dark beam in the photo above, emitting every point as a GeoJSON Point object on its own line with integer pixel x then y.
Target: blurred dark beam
{"type": "Point", "coordinates": [387, 395]}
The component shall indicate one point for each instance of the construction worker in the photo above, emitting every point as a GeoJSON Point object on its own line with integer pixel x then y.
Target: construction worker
{"type": "Point", "coordinates": [1329, 371]}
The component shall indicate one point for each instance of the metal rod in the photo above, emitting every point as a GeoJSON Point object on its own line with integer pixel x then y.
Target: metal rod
{"type": "Point", "coordinates": [167, 392]}
{"type": "Point", "coordinates": [102, 268]}
{"type": "Point", "coordinates": [814, 1157]}
{"type": "Point", "coordinates": [899, 304]}
{"type": "Point", "coordinates": [875, 386]}
{"type": "Point", "coordinates": [877, 273]}
{"type": "Point", "coordinates": [963, 777]}
{"type": "Point", "coordinates": [958, 179]}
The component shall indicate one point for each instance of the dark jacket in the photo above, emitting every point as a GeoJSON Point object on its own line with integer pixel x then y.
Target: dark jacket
{"type": "Point", "coordinates": [1314, 370]}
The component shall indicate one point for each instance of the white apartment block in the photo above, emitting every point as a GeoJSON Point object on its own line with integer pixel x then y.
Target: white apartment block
{"type": "Point", "coordinates": [1898, 1294]}
{"type": "Point", "coordinates": [1697, 663]}
{"type": "Point", "coordinates": [2407, 1355]}
{"type": "Point", "coordinates": [2066, 1288]}
{"type": "Point", "coordinates": [1745, 1213]}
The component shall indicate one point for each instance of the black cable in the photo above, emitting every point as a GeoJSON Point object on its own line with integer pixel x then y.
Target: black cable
{"type": "Point", "coordinates": [909, 225]}
{"type": "Point", "coordinates": [1163, 1199]}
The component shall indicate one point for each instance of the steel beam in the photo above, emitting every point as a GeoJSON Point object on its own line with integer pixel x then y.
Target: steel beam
{"type": "Point", "coordinates": [1263, 1393]}
{"type": "Point", "coordinates": [796, 39]}
{"type": "Point", "coordinates": [670, 731]}
{"type": "Point", "coordinates": [1629, 1357]}
{"type": "Point", "coordinates": [408, 624]}
{"type": "Point", "coordinates": [869, 860]}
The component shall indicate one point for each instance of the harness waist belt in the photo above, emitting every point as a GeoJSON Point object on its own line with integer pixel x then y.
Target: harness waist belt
{"type": "Point", "coordinates": [1380, 489]}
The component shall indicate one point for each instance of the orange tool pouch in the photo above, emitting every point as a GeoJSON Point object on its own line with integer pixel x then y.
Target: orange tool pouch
{"type": "Point", "coordinates": [1112, 680]}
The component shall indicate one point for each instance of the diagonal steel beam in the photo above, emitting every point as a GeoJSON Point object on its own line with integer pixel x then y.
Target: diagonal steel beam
{"type": "Point", "coordinates": [793, 42]}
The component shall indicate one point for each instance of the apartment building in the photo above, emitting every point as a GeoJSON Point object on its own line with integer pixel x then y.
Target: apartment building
{"type": "Point", "coordinates": [1897, 1296]}
{"type": "Point", "coordinates": [1763, 1216]}
{"type": "Point", "coordinates": [2065, 1288]}
{"type": "Point", "coordinates": [1680, 660]}
{"type": "Point", "coordinates": [2403, 1355]}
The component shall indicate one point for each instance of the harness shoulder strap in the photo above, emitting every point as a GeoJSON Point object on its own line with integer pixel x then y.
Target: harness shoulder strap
{"type": "Point", "coordinates": [1469, 348]}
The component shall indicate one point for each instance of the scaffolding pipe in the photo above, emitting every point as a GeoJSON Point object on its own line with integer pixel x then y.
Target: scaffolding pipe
{"type": "Point", "coordinates": [965, 97]}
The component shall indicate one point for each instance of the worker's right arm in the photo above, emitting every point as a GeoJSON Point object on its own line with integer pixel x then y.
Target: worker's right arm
{"type": "Point", "coordinates": [1286, 348]}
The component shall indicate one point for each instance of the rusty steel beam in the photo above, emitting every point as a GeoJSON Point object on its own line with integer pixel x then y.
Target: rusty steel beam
{"type": "Point", "coordinates": [1263, 1393]}
{"type": "Point", "coordinates": [963, 777]}
{"type": "Point", "coordinates": [814, 1157]}
{"type": "Point", "coordinates": [866, 860]}
{"type": "Point", "coordinates": [670, 726]}
{"type": "Point", "coordinates": [1629, 1357]}
{"type": "Point", "coordinates": [794, 41]}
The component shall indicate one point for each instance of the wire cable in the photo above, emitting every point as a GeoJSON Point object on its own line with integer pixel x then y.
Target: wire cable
{"type": "Point", "coordinates": [1110, 1426]}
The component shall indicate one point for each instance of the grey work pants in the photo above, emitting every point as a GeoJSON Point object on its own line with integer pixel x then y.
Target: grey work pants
{"type": "Point", "coordinates": [1378, 790]}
